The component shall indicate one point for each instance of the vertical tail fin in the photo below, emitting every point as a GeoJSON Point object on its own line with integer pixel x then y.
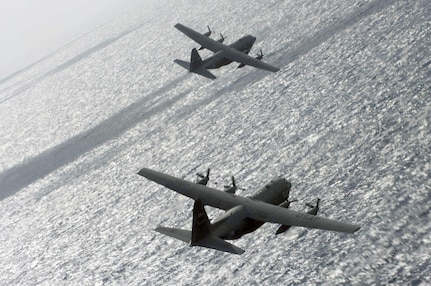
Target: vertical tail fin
{"type": "Point", "coordinates": [201, 234]}
{"type": "Point", "coordinates": [196, 65]}
{"type": "Point", "coordinates": [201, 224]}
{"type": "Point", "coordinates": [195, 60]}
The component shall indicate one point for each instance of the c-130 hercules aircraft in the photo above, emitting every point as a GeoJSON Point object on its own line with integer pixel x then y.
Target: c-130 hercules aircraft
{"type": "Point", "coordinates": [242, 214]}
{"type": "Point", "coordinates": [223, 54]}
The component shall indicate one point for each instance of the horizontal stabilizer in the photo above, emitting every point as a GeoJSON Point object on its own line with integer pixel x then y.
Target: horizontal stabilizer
{"type": "Point", "coordinates": [204, 72]}
{"type": "Point", "coordinates": [182, 63]}
{"type": "Point", "coordinates": [201, 70]}
{"type": "Point", "coordinates": [181, 234]}
{"type": "Point", "coordinates": [217, 243]}
{"type": "Point", "coordinates": [212, 242]}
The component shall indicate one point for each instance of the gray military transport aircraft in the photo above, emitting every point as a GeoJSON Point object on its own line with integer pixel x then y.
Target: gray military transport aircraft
{"type": "Point", "coordinates": [223, 54]}
{"type": "Point", "coordinates": [242, 214]}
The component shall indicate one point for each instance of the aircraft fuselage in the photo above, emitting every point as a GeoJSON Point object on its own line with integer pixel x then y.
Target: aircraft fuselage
{"type": "Point", "coordinates": [217, 60]}
{"type": "Point", "coordinates": [234, 223]}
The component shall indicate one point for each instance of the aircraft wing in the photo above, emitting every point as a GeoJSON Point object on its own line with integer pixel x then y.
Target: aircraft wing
{"type": "Point", "coordinates": [209, 196]}
{"type": "Point", "coordinates": [255, 209]}
{"type": "Point", "coordinates": [228, 52]}
{"type": "Point", "coordinates": [275, 214]}
{"type": "Point", "coordinates": [205, 41]}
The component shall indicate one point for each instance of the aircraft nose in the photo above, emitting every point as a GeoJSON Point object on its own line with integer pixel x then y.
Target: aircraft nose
{"type": "Point", "coordinates": [287, 184]}
{"type": "Point", "coordinates": [286, 188]}
{"type": "Point", "coordinates": [251, 38]}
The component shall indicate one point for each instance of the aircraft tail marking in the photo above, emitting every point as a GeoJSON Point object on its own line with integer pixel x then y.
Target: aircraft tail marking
{"type": "Point", "coordinates": [313, 211]}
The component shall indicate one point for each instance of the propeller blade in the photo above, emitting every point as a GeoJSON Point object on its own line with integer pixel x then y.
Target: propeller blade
{"type": "Point", "coordinates": [202, 176]}
{"type": "Point", "coordinates": [311, 206]}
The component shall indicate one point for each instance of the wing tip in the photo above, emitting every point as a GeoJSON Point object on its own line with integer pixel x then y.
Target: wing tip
{"type": "Point", "coordinates": [141, 172]}
{"type": "Point", "coordinates": [179, 26]}
{"type": "Point", "coordinates": [144, 172]}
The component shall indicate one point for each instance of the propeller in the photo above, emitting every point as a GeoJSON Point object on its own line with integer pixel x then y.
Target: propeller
{"type": "Point", "coordinates": [287, 203]}
{"type": "Point", "coordinates": [222, 38]}
{"type": "Point", "coordinates": [209, 32]}
{"type": "Point", "coordinates": [314, 209]}
{"type": "Point", "coordinates": [200, 175]}
{"type": "Point", "coordinates": [232, 189]}
{"type": "Point", "coordinates": [204, 179]}
{"type": "Point", "coordinates": [259, 56]}
{"type": "Point", "coordinates": [311, 206]}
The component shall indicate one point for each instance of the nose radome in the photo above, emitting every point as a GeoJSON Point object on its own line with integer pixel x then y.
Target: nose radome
{"type": "Point", "coordinates": [251, 38]}
{"type": "Point", "coordinates": [288, 184]}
